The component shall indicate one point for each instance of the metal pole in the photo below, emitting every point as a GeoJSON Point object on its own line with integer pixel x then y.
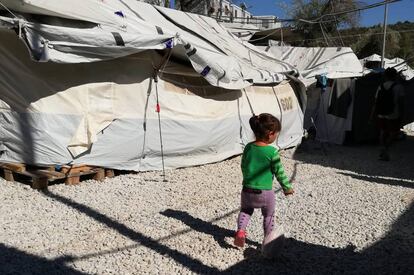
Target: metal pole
{"type": "Point", "coordinates": [158, 109]}
{"type": "Point", "coordinates": [385, 35]}
{"type": "Point", "coordinates": [221, 9]}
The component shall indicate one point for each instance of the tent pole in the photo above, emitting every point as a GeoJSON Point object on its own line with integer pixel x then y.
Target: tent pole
{"type": "Point", "coordinates": [158, 109]}
{"type": "Point", "coordinates": [161, 66]}
{"type": "Point", "coordinates": [385, 35]}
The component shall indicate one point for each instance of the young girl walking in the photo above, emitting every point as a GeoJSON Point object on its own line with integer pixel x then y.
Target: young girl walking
{"type": "Point", "coordinates": [260, 163]}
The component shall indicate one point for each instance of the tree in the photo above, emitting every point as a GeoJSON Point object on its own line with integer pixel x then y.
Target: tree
{"type": "Point", "coordinates": [371, 43]}
{"type": "Point", "coordinates": [154, 2]}
{"type": "Point", "coordinates": [312, 17]}
{"type": "Point", "coordinates": [195, 6]}
{"type": "Point", "coordinates": [406, 51]}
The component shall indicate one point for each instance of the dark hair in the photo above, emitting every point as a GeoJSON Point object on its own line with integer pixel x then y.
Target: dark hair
{"type": "Point", "coordinates": [390, 74]}
{"type": "Point", "coordinates": [263, 124]}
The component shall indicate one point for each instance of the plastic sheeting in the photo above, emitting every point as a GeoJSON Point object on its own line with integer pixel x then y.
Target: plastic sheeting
{"type": "Point", "coordinates": [398, 63]}
{"type": "Point", "coordinates": [112, 28]}
{"type": "Point", "coordinates": [329, 128]}
{"type": "Point", "coordinates": [103, 113]}
{"type": "Point", "coordinates": [241, 30]}
{"type": "Point", "coordinates": [335, 63]}
{"type": "Point", "coordinates": [339, 64]}
{"type": "Point", "coordinates": [409, 127]}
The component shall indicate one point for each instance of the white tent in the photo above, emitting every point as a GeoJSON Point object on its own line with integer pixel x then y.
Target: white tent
{"type": "Point", "coordinates": [409, 127]}
{"type": "Point", "coordinates": [335, 63]}
{"type": "Point", "coordinates": [398, 63]}
{"type": "Point", "coordinates": [243, 31]}
{"type": "Point", "coordinates": [341, 66]}
{"type": "Point", "coordinates": [136, 26]}
{"type": "Point", "coordinates": [78, 85]}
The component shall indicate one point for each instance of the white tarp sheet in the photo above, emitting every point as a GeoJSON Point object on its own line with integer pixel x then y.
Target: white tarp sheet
{"type": "Point", "coordinates": [398, 63]}
{"type": "Point", "coordinates": [129, 26]}
{"type": "Point", "coordinates": [340, 64]}
{"type": "Point", "coordinates": [409, 127]}
{"type": "Point", "coordinates": [335, 63]}
{"type": "Point", "coordinates": [241, 30]}
{"type": "Point", "coordinates": [329, 128]}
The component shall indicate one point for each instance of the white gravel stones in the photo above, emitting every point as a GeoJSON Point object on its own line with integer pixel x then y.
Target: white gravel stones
{"type": "Point", "coordinates": [350, 214]}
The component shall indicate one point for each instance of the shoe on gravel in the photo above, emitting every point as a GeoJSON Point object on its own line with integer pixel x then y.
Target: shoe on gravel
{"type": "Point", "coordinates": [240, 238]}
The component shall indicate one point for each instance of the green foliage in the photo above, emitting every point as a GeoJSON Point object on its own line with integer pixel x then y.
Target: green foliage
{"type": "Point", "coordinates": [196, 6]}
{"type": "Point", "coordinates": [364, 41]}
{"type": "Point", "coordinates": [304, 11]}
{"type": "Point", "coordinates": [406, 46]}
{"type": "Point", "coordinates": [368, 40]}
{"type": "Point", "coordinates": [371, 42]}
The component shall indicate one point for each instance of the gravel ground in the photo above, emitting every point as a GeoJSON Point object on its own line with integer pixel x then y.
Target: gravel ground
{"type": "Point", "coordinates": [351, 214]}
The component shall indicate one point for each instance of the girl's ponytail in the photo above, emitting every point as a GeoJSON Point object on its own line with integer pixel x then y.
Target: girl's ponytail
{"type": "Point", "coordinates": [263, 124]}
{"type": "Point", "coordinates": [254, 123]}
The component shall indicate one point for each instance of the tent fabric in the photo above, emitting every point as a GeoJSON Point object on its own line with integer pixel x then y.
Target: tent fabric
{"type": "Point", "coordinates": [243, 31]}
{"type": "Point", "coordinates": [329, 111]}
{"type": "Point", "coordinates": [398, 63]}
{"type": "Point", "coordinates": [104, 113]}
{"type": "Point", "coordinates": [329, 128]}
{"type": "Point", "coordinates": [365, 90]}
{"type": "Point", "coordinates": [409, 127]}
{"type": "Point", "coordinates": [126, 27]}
{"type": "Point", "coordinates": [335, 63]}
{"type": "Point", "coordinates": [62, 44]}
{"type": "Point", "coordinates": [372, 58]}
{"type": "Point", "coordinates": [341, 98]}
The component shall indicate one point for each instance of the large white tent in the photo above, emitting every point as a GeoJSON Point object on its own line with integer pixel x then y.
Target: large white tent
{"type": "Point", "coordinates": [329, 110]}
{"type": "Point", "coordinates": [83, 82]}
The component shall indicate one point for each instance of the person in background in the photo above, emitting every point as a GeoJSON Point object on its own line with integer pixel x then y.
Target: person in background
{"type": "Point", "coordinates": [388, 110]}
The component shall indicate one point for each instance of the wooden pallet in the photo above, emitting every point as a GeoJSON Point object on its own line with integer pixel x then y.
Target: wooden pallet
{"type": "Point", "coordinates": [40, 177]}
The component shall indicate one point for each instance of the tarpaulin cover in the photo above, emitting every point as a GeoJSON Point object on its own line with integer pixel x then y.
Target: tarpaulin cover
{"type": "Point", "coordinates": [104, 113]}
{"type": "Point", "coordinates": [340, 62]}
{"type": "Point", "coordinates": [95, 30]}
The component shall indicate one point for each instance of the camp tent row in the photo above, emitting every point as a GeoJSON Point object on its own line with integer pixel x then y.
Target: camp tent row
{"type": "Point", "coordinates": [330, 105]}
{"type": "Point", "coordinates": [397, 63]}
{"type": "Point", "coordinates": [101, 82]}
{"type": "Point", "coordinates": [333, 62]}
{"type": "Point", "coordinates": [341, 110]}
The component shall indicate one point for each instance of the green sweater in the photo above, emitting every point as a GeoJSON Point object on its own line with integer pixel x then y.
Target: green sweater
{"type": "Point", "coordinates": [259, 164]}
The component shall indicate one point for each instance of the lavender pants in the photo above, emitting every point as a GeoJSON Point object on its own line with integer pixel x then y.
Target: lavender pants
{"type": "Point", "coordinates": [265, 201]}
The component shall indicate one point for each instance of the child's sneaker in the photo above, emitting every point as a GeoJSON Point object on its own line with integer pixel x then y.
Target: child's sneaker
{"type": "Point", "coordinates": [240, 238]}
{"type": "Point", "coordinates": [273, 243]}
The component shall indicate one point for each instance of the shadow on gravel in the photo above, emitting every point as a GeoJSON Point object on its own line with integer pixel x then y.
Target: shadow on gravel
{"type": "Point", "coordinates": [219, 233]}
{"type": "Point", "coordinates": [391, 255]}
{"type": "Point", "coordinates": [181, 258]}
{"type": "Point", "coordinates": [362, 159]}
{"type": "Point", "coordinates": [13, 261]}
{"type": "Point", "coordinates": [388, 181]}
